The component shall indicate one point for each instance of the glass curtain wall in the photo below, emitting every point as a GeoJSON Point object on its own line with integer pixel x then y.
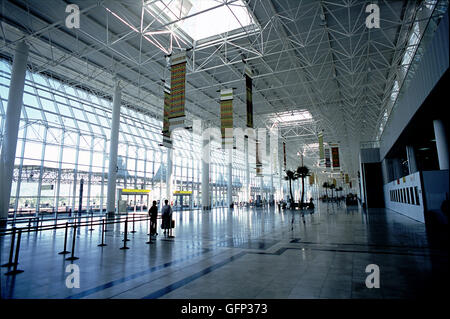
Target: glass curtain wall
{"type": "Point", "coordinates": [63, 141]}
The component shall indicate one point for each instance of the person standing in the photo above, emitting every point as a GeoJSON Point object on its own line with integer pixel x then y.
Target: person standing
{"type": "Point", "coordinates": [166, 214]}
{"type": "Point", "coordinates": [153, 214]}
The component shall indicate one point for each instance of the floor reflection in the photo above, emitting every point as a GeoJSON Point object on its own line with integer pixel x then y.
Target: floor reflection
{"type": "Point", "coordinates": [242, 253]}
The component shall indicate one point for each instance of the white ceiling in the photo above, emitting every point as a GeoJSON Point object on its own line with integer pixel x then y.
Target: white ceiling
{"type": "Point", "coordinates": [309, 55]}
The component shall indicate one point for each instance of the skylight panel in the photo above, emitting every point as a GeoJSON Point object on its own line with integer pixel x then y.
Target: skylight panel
{"type": "Point", "coordinates": [294, 116]}
{"type": "Point", "coordinates": [202, 19]}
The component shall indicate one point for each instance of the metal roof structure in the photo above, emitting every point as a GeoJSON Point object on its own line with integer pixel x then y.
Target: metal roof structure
{"type": "Point", "coordinates": [307, 57]}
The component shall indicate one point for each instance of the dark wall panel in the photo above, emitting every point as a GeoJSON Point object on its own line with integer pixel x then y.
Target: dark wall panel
{"type": "Point", "coordinates": [374, 185]}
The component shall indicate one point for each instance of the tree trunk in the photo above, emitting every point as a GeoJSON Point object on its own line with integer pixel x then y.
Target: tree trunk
{"type": "Point", "coordinates": [303, 192]}
{"type": "Point", "coordinates": [290, 191]}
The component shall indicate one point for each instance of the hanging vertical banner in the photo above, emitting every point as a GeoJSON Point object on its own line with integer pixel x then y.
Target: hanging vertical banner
{"type": "Point", "coordinates": [327, 157]}
{"type": "Point", "coordinates": [167, 142]}
{"type": "Point", "coordinates": [178, 90]}
{"type": "Point", "coordinates": [258, 159]}
{"type": "Point", "coordinates": [274, 162]}
{"type": "Point", "coordinates": [346, 178]}
{"type": "Point", "coordinates": [284, 155]}
{"type": "Point", "coordinates": [335, 156]}
{"type": "Point", "coordinates": [311, 179]}
{"type": "Point", "coordinates": [321, 150]}
{"type": "Point", "coordinates": [273, 146]}
{"type": "Point", "coordinates": [226, 117]}
{"type": "Point", "coordinates": [248, 84]}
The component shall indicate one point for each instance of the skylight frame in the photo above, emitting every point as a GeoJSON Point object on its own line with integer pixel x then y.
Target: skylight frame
{"type": "Point", "coordinates": [292, 117]}
{"type": "Point", "coordinates": [169, 20]}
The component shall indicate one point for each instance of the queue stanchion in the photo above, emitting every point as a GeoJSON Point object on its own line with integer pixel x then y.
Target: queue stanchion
{"type": "Point", "coordinates": [11, 250]}
{"type": "Point", "coordinates": [92, 219]}
{"type": "Point", "coordinates": [133, 231]}
{"type": "Point", "coordinates": [65, 241]}
{"type": "Point", "coordinates": [126, 230]}
{"type": "Point", "coordinates": [125, 234]}
{"type": "Point", "coordinates": [16, 257]}
{"type": "Point", "coordinates": [103, 234]}
{"type": "Point", "coordinates": [106, 227]}
{"type": "Point", "coordinates": [72, 257]}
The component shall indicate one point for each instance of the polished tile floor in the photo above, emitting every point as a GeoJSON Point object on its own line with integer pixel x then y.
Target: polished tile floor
{"type": "Point", "coordinates": [240, 253]}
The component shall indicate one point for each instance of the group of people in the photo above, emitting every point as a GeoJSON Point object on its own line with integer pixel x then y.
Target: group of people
{"type": "Point", "coordinates": [166, 216]}
{"type": "Point", "coordinates": [292, 205]}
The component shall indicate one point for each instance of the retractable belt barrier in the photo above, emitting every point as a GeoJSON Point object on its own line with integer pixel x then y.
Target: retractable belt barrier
{"type": "Point", "coordinates": [16, 257]}
{"type": "Point", "coordinates": [74, 225]}
{"type": "Point", "coordinates": [9, 231]}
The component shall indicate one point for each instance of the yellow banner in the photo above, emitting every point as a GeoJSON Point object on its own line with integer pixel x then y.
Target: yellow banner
{"type": "Point", "coordinates": [182, 192]}
{"type": "Point", "coordinates": [129, 190]}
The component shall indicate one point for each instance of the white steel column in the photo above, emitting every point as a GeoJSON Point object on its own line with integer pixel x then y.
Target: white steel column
{"type": "Point", "coordinates": [19, 180]}
{"type": "Point", "coordinates": [441, 144]}
{"type": "Point", "coordinates": [230, 178]}
{"type": "Point", "coordinates": [247, 172]}
{"type": "Point", "coordinates": [75, 175]}
{"type": "Point", "coordinates": [397, 165]}
{"type": "Point", "coordinates": [102, 188]}
{"type": "Point", "coordinates": [411, 155]}
{"type": "Point", "coordinates": [11, 130]}
{"type": "Point", "coordinates": [58, 180]}
{"type": "Point", "coordinates": [161, 201]}
{"type": "Point", "coordinates": [281, 183]}
{"type": "Point", "coordinates": [113, 145]}
{"type": "Point", "coordinates": [206, 205]}
{"type": "Point", "coordinates": [169, 174]}
{"type": "Point", "coordinates": [271, 191]}
{"type": "Point", "coordinates": [261, 187]}
{"type": "Point", "coordinates": [41, 172]}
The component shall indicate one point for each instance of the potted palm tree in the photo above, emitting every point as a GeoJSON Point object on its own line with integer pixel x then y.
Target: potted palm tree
{"type": "Point", "coordinates": [339, 189]}
{"type": "Point", "coordinates": [290, 176]}
{"type": "Point", "coordinates": [332, 187]}
{"type": "Point", "coordinates": [302, 172]}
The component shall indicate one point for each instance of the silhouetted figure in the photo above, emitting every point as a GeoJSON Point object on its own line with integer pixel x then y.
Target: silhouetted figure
{"type": "Point", "coordinates": [166, 214]}
{"type": "Point", "coordinates": [153, 213]}
{"type": "Point", "coordinates": [311, 203]}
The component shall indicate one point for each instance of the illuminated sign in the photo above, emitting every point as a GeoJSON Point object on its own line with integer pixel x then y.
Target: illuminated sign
{"type": "Point", "coordinates": [182, 192]}
{"type": "Point", "coordinates": [140, 191]}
